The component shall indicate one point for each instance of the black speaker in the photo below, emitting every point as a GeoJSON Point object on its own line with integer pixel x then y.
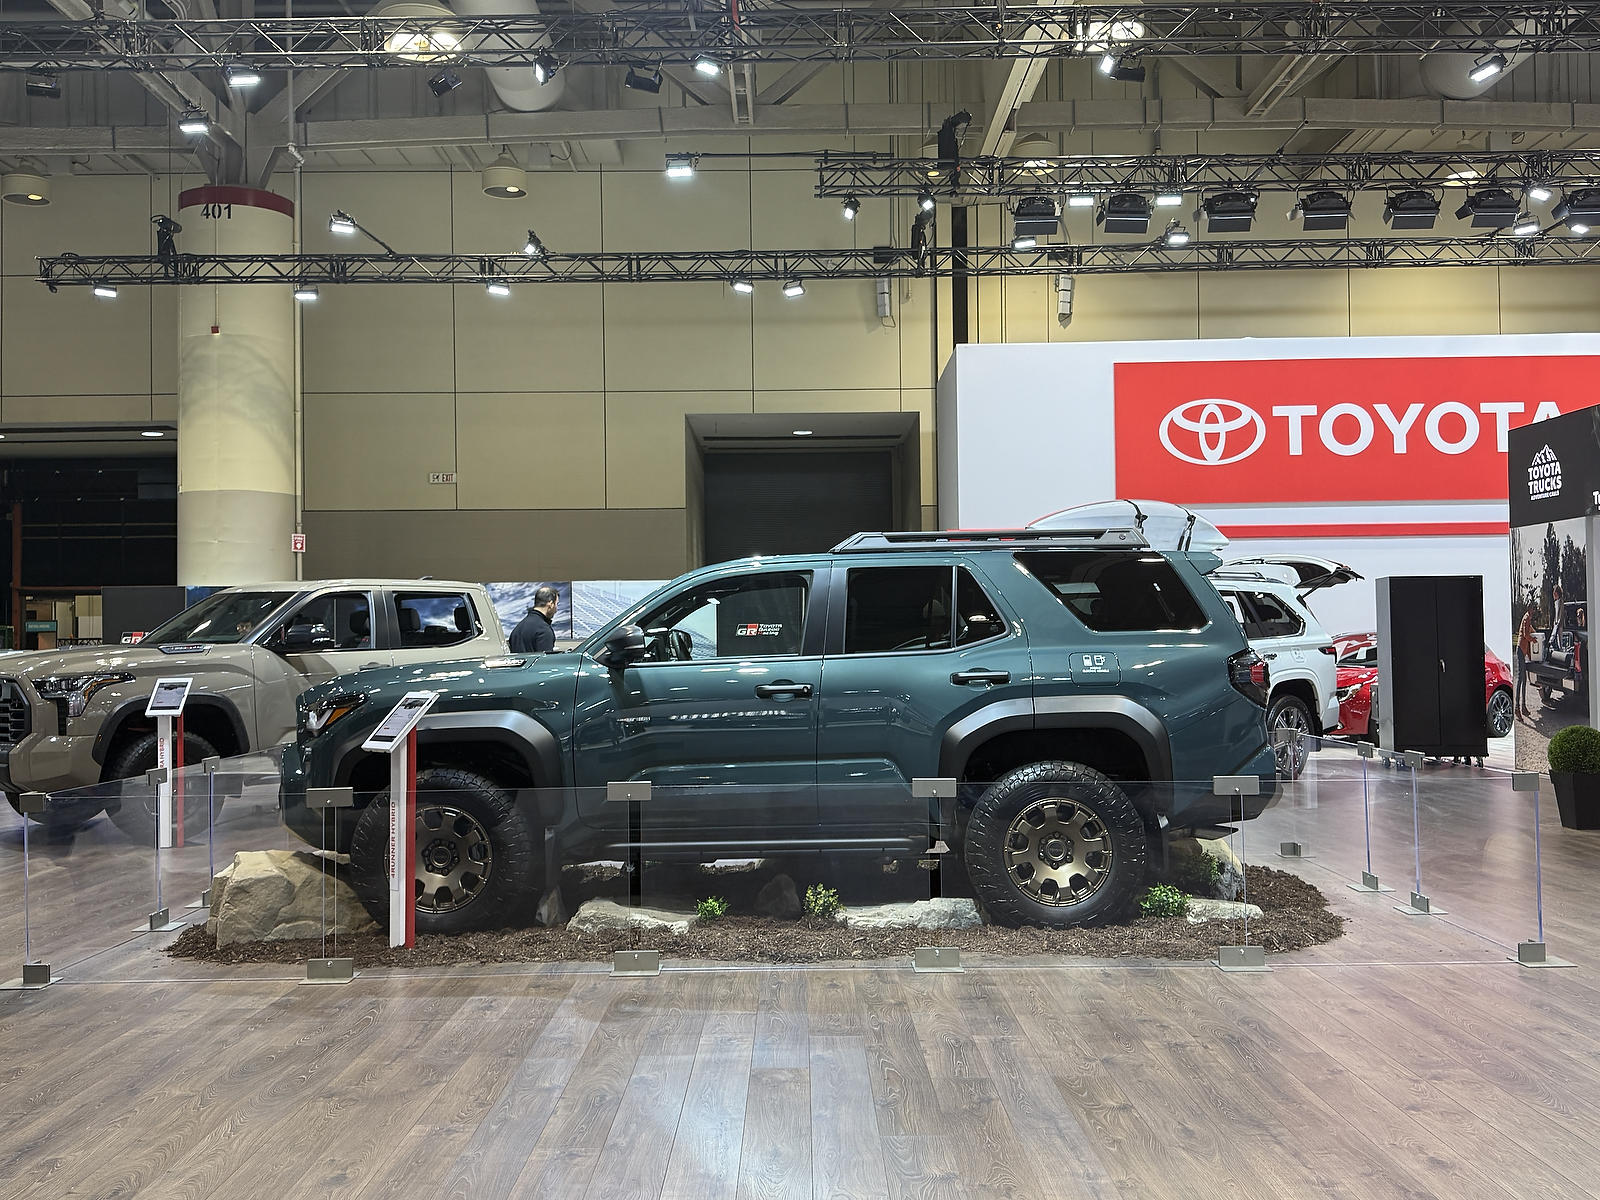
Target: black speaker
{"type": "Point", "coordinates": [1430, 665]}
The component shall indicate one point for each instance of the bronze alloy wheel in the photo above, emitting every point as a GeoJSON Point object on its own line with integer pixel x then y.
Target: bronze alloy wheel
{"type": "Point", "coordinates": [454, 858]}
{"type": "Point", "coordinates": [1058, 852]}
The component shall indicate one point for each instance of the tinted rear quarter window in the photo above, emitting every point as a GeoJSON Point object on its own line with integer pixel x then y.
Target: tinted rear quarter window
{"type": "Point", "coordinates": [1116, 591]}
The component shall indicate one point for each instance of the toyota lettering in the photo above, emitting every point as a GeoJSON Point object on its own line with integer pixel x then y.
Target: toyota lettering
{"type": "Point", "coordinates": [1331, 430]}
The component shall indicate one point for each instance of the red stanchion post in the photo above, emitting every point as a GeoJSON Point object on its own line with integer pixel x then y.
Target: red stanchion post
{"type": "Point", "coordinates": [177, 783]}
{"type": "Point", "coordinates": [410, 847]}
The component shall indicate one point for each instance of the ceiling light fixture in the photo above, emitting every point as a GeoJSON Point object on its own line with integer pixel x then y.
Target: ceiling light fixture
{"type": "Point", "coordinates": [1125, 212]}
{"type": "Point", "coordinates": [497, 287]}
{"type": "Point", "coordinates": [306, 293]}
{"type": "Point", "coordinates": [1540, 193]}
{"type": "Point", "coordinates": [851, 207]}
{"type": "Point", "coordinates": [708, 66]}
{"type": "Point", "coordinates": [743, 286]}
{"type": "Point", "coordinates": [1580, 209]}
{"type": "Point", "coordinates": [533, 247]}
{"type": "Point", "coordinates": [46, 87]}
{"type": "Point", "coordinates": [105, 291]}
{"type": "Point", "coordinates": [1124, 68]}
{"type": "Point", "coordinates": [1325, 209]}
{"type": "Point", "coordinates": [504, 178]}
{"type": "Point", "coordinates": [1527, 225]}
{"type": "Point", "coordinates": [640, 82]}
{"type": "Point", "coordinates": [1486, 69]}
{"type": "Point", "coordinates": [1230, 212]}
{"type": "Point", "coordinates": [1176, 235]}
{"type": "Point", "coordinates": [680, 166]}
{"type": "Point", "coordinates": [342, 222]}
{"type": "Point", "coordinates": [1024, 241]}
{"type": "Point", "coordinates": [1170, 199]}
{"type": "Point", "coordinates": [445, 82]}
{"type": "Point", "coordinates": [195, 122]}
{"type": "Point", "coordinates": [439, 40]}
{"type": "Point", "coordinates": [794, 288]}
{"type": "Point", "coordinates": [1490, 208]}
{"type": "Point", "coordinates": [545, 66]}
{"type": "Point", "coordinates": [240, 76]}
{"type": "Point", "coordinates": [1080, 200]}
{"type": "Point", "coordinates": [1414, 208]}
{"type": "Point", "coordinates": [1035, 216]}
{"type": "Point", "coordinates": [21, 187]}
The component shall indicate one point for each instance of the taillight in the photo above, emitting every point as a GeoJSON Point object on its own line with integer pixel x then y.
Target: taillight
{"type": "Point", "coordinates": [1248, 673]}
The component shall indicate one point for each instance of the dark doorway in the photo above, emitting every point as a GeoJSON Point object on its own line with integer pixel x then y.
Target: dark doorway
{"type": "Point", "coordinates": [794, 502]}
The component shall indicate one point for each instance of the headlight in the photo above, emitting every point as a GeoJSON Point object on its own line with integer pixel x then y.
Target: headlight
{"type": "Point", "coordinates": [76, 689]}
{"type": "Point", "coordinates": [326, 711]}
{"type": "Point", "coordinates": [1345, 693]}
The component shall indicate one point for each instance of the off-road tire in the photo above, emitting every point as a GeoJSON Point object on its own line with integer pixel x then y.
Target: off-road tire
{"type": "Point", "coordinates": [984, 851]}
{"type": "Point", "coordinates": [1289, 713]}
{"type": "Point", "coordinates": [135, 815]}
{"type": "Point", "coordinates": [488, 817]}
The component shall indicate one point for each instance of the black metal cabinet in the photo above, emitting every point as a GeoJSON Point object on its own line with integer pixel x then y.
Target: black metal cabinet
{"type": "Point", "coordinates": [1430, 665]}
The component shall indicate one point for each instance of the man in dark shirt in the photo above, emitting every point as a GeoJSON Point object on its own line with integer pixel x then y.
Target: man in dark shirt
{"type": "Point", "coordinates": [533, 634]}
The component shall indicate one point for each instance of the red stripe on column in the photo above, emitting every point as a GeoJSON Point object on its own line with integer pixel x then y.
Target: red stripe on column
{"type": "Point", "coordinates": [245, 197]}
{"type": "Point", "coordinates": [1396, 529]}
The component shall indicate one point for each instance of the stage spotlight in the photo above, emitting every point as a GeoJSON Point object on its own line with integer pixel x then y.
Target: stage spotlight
{"type": "Point", "coordinates": [342, 222]}
{"type": "Point", "coordinates": [1412, 209]}
{"type": "Point", "coordinates": [1486, 69]}
{"type": "Point", "coordinates": [1024, 241]}
{"type": "Point", "coordinates": [1539, 193]}
{"type": "Point", "coordinates": [444, 83]}
{"type": "Point", "coordinates": [1490, 208]}
{"type": "Point", "coordinates": [533, 247]}
{"type": "Point", "coordinates": [1526, 225]}
{"type": "Point", "coordinates": [1580, 209]}
{"type": "Point", "coordinates": [643, 83]}
{"type": "Point", "coordinates": [1325, 209]}
{"type": "Point", "coordinates": [497, 287]}
{"type": "Point", "coordinates": [46, 87]}
{"type": "Point", "coordinates": [743, 286]}
{"type": "Point", "coordinates": [194, 122]}
{"type": "Point", "coordinates": [1230, 212]}
{"type": "Point", "coordinates": [925, 201]}
{"type": "Point", "coordinates": [1176, 236]}
{"type": "Point", "coordinates": [1169, 199]}
{"type": "Point", "coordinates": [105, 291]}
{"type": "Point", "coordinates": [851, 208]}
{"type": "Point", "coordinates": [708, 66]}
{"type": "Point", "coordinates": [680, 166]}
{"type": "Point", "coordinates": [1124, 68]}
{"type": "Point", "coordinates": [1035, 216]}
{"type": "Point", "coordinates": [794, 288]}
{"type": "Point", "coordinates": [1126, 212]}
{"type": "Point", "coordinates": [545, 66]}
{"type": "Point", "coordinates": [306, 293]}
{"type": "Point", "coordinates": [241, 76]}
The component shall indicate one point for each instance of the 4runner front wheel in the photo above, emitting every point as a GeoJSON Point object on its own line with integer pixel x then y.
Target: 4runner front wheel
{"type": "Point", "coordinates": [479, 860]}
{"type": "Point", "coordinates": [1055, 844]}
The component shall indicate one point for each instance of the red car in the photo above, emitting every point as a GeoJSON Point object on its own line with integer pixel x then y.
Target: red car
{"type": "Point", "coordinates": [1358, 671]}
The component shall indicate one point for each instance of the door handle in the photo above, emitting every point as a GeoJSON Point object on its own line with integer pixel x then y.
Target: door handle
{"type": "Point", "coordinates": [364, 666]}
{"type": "Point", "coordinates": [981, 676]}
{"type": "Point", "coordinates": [783, 689]}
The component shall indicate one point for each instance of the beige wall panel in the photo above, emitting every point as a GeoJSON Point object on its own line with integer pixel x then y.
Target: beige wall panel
{"type": "Point", "coordinates": [785, 215]}
{"type": "Point", "coordinates": [691, 335]}
{"type": "Point", "coordinates": [374, 451]}
{"type": "Point", "coordinates": [986, 322]}
{"type": "Point", "coordinates": [1549, 300]}
{"type": "Point", "coordinates": [542, 337]}
{"type": "Point", "coordinates": [1424, 300]}
{"type": "Point", "coordinates": [1030, 307]}
{"type": "Point", "coordinates": [73, 344]}
{"type": "Point", "coordinates": [408, 209]}
{"type": "Point", "coordinates": [920, 401]}
{"type": "Point", "coordinates": [380, 338]}
{"type": "Point", "coordinates": [646, 449]}
{"type": "Point", "coordinates": [562, 207]}
{"type": "Point", "coordinates": [497, 546]}
{"type": "Point", "coordinates": [164, 408]}
{"type": "Point", "coordinates": [87, 214]}
{"type": "Point", "coordinates": [1274, 304]}
{"type": "Point", "coordinates": [913, 316]}
{"type": "Point", "coordinates": [1115, 308]}
{"type": "Point", "coordinates": [841, 400]}
{"type": "Point", "coordinates": [644, 210]}
{"type": "Point", "coordinates": [829, 338]}
{"type": "Point", "coordinates": [533, 450]}
{"type": "Point", "coordinates": [164, 339]}
{"type": "Point", "coordinates": [62, 410]}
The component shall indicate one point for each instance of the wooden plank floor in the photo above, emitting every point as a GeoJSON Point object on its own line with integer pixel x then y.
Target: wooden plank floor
{"type": "Point", "coordinates": [1408, 1059]}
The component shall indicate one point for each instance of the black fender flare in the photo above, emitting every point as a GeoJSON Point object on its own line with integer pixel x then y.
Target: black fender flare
{"type": "Point", "coordinates": [112, 725]}
{"type": "Point", "coordinates": [1125, 716]}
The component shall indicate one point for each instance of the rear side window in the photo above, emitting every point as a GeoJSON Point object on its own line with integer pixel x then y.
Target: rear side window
{"type": "Point", "coordinates": [1273, 618]}
{"type": "Point", "coordinates": [434, 619]}
{"type": "Point", "coordinates": [1118, 591]}
{"type": "Point", "coordinates": [899, 609]}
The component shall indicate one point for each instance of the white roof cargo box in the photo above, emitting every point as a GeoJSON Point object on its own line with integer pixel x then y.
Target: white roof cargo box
{"type": "Point", "coordinates": [1165, 526]}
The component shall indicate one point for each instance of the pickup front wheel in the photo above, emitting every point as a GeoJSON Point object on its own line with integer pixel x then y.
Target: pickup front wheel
{"type": "Point", "coordinates": [478, 856]}
{"type": "Point", "coordinates": [1055, 844]}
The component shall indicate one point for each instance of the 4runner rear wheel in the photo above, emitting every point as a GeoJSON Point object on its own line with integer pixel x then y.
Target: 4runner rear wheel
{"type": "Point", "coordinates": [136, 814]}
{"type": "Point", "coordinates": [479, 861]}
{"type": "Point", "coordinates": [1055, 844]}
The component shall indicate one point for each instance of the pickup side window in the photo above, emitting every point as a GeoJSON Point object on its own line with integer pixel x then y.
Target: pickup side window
{"type": "Point", "coordinates": [347, 616]}
{"type": "Point", "coordinates": [901, 609]}
{"type": "Point", "coordinates": [427, 619]}
{"type": "Point", "coordinates": [1118, 591]}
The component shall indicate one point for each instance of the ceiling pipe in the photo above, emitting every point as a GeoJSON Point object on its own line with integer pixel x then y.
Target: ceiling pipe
{"type": "Point", "coordinates": [517, 87]}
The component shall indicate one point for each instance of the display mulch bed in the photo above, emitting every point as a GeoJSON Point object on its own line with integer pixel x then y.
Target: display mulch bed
{"type": "Point", "coordinates": [1295, 915]}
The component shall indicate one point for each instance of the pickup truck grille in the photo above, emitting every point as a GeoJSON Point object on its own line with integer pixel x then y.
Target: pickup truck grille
{"type": "Point", "coordinates": [14, 717]}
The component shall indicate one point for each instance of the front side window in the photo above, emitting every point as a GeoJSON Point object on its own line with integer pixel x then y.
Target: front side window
{"type": "Point", "coordinates": [1273, 617]}
{"type": "Point", "coordinates": [1118, 591]}
{"type": "Point", "coordinates": [222, 617]}
{"type": "Point", "coordinates": [434, 619]}
{"type": "Point", "coordinates": [346, 616]}
{"type": "Point", "coordinates": [899, 609]}
{"type": "Point", "coordinates": [747, 616]}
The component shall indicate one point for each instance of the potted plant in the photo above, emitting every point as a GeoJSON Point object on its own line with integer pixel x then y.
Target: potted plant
{"type": "Point", "coordinates": [1575, 773]}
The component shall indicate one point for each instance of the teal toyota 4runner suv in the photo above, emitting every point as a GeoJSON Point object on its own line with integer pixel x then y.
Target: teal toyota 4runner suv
{"type": "Point", "coordinates": [1081, 688]}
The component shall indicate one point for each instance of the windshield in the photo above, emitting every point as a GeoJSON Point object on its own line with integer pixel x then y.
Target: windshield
{"type": "Point", "coordinates": [223, 617]}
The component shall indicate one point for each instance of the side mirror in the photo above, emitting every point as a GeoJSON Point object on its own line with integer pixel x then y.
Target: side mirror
{"type": "Point", "coordinates": [304, 639]}
{"type": "Point", "coordinates": [627, 644]}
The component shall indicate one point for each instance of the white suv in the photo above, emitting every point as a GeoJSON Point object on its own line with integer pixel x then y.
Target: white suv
{"type": "Point", "coordinates": [1267, 596]}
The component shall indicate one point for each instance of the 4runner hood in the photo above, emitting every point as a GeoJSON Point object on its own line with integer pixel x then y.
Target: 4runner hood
{"type": "Point", "coordinates": [85, 660]}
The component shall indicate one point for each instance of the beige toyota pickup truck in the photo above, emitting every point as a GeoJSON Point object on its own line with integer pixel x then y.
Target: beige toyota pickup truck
{"type": "Point", "coordinates": [72, 719]}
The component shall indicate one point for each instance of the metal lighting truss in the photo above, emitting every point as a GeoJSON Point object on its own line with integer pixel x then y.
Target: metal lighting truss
{"type": "Point", "coordinates": [842, 174]}
{"type": "Point", "coordinates": [672, 33]}
{"type": "Point", "coordinates": [724, 266]}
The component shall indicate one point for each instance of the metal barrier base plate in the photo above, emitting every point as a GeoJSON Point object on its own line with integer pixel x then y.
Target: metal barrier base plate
{"type": "Point", "coordinates": [330, 970]}
{"type": "Point", "coordinates": [34, 976]}
{"type": "Point", "coordinates": [936, 958]}
{"type": "Point", "coordinates": [1293, 850]}
{"type": "Point", "coordinates": [1420, 906]}
{"type": "Point", "coordinates": [160, 922]}
{"type": "Point", "coordinates": [1369, 883]}
{"type": "Point", "coordinates": [1243, 960]}
{"type": "Point", "coordinates": [636, 962]}
{"type": "Point", "coordinates": [1532, 954]}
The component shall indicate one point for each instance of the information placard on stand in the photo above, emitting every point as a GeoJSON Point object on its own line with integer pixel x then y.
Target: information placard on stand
{"type": "Point", "coordinates": [166, 706]}
{"type": "Point", "coordinates": [396, 736]}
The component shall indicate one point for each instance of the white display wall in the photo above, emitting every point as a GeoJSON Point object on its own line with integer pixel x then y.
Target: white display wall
{"type": "Point", "coordinates": [1385, 453]}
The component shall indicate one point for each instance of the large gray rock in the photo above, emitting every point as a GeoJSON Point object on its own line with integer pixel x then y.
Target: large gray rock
{"type": "Point", "coordinates": [941, 912]}
{"type": "Point", "coordinates": [778, 898]}
{"type": "Point", "coordinates": [1230, 877]}
{"type": "Point", "coordinates": [1202, 910]}
{"type": "Point", "coordinates": [278, 895]}
{"type": "Point", "coordinates": [607, 916]}
{"type": "Point", "coordinates": [552, 910]}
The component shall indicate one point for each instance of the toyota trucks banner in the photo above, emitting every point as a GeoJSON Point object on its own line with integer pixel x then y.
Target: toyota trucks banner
{"type": "Point", "coordinates": [1389, 454]}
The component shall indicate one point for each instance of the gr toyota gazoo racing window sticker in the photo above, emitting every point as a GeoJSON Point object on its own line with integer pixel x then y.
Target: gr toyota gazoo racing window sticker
{"type": "Point", "coordinates": [758, 629]}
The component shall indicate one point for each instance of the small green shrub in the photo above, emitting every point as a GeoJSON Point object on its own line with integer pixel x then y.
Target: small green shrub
{"type": "Point", "coordinates": [1164, 900]}
{"type": "Point", "coordinates": [822, 902]}
{"type": "Point", "coordinates": [1576, 749]}
{"type": "Point", "coordinates": [711, 908]}
{"type": "Point", "coordinates": [1196, 874]}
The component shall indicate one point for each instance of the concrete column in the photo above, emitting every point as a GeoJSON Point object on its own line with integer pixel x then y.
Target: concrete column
{"type": "Point", "coordinates": [236, 461]}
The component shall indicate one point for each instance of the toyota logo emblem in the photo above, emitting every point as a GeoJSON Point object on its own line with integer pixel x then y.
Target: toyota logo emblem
{"type": "Point", "coordinates": [1214, 433]}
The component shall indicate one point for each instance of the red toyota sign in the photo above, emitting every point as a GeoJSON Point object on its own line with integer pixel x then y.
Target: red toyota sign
{"type": "Point", "coordinates": [1320, 430]}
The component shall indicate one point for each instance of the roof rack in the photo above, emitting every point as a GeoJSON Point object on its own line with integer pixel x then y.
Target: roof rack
{"type": "Point", "coordinates": [988, 539]}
